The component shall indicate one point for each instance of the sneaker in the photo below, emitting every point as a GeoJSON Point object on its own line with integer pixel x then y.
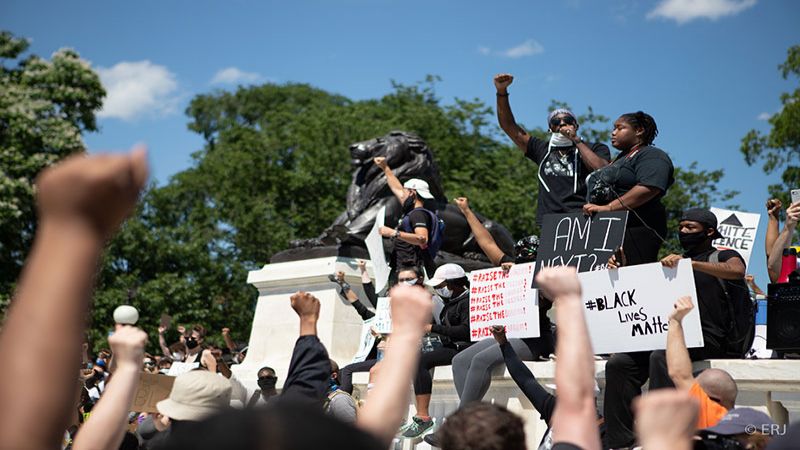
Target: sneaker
{"type": "Point", "coordinates": [432, 440]}
{"type": "Point", "coordinates": [418, 428]}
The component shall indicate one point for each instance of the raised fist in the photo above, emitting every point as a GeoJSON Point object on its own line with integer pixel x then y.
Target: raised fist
{"type": "Point", "coordinates": [95, 192]}
{"type": "Point", "coordinates": [502, 81]}
{"type": "Point", "coordinates": [127, 345]}
{"type": "Point", "coordinates": [305, 305]}
{"type": "Point", "coordinates": [682, 308]}
{"type": "Point", "coordinates": [462, 203]}
{"type": "Point", "coordinates": [557, 282]}
{"type": "Point", "coordinates": [411, 309]}
{"type": "Point", "coordinates": [380, 161]}
{"type": "Point", "coordinates": [499, 333]}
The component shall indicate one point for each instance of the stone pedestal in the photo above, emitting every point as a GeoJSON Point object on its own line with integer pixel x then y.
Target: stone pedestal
{"type": "Point", "coordinates": [276, 326]}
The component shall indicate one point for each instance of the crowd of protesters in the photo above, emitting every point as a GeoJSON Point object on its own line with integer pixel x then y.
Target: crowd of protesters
{"type": "Point", "coordinates": [82, 202]}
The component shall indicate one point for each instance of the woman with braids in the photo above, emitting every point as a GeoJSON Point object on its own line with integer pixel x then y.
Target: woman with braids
{"type": "Point", "coordinates": [636, 181]}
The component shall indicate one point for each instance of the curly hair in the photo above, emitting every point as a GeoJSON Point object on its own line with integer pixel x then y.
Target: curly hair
{"type": "Point", "coordinates": [482, 426]}
{"type": "Point", "coordinates": [644, 121]}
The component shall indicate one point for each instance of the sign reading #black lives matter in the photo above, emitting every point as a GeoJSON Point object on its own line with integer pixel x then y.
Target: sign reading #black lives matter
{"type": "Point", "coordinates": [584, 242]}
{"type": "Point", "coordinates": [627, 309]}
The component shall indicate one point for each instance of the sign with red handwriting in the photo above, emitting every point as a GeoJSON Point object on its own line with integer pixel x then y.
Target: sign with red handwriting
{"type": "Point", "coordinates": [504, 298]}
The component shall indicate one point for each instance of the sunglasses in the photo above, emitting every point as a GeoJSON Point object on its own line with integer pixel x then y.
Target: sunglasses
{"type": "Point", "coordinates": [556, 121]}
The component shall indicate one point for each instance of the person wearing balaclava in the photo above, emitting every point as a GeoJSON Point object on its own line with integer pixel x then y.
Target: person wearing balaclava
{"type": "Point", "coordinates": [564, 160]}
{"type": "Point", "coordinates": [411, 243]}
{"type": "Point", "coordinates": [719, 279]}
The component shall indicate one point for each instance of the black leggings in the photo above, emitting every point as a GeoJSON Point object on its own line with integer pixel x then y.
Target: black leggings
{"type": "Point", "coordinates": [346, 374]}
{"type": "Point", "coordinates": [423, 382]}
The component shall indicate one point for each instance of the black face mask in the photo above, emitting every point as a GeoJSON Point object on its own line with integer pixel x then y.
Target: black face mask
{"type": "Point", "coordinates": [408, 205]}
{"type": "Point", "coordinates": [267, 383]}
{"type": "Point", "coordinates": [191, 343]}
{"type": "Point", "coordinates": [691, 241]}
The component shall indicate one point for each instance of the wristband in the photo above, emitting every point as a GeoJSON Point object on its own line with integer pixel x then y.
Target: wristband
{"type": "Point", "coordinates": [396, 234]}
{"type": "Point", "coordinates": [502, 95]}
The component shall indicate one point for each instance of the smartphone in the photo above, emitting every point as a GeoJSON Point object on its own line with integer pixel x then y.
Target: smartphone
{"type": "Point", "coordinates": [795, 196]}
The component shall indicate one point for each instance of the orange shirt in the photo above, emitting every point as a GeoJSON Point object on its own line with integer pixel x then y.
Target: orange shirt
{"type": "Point", "coordinates": [710, 411]}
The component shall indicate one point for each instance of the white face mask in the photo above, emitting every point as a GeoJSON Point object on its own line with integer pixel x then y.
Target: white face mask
{"type": "Point", "coordinates": [559, 140]}
{"type": "Point", "coordinates": [444, 292]}
{"type": "Point", "coordinates": [410, 282]}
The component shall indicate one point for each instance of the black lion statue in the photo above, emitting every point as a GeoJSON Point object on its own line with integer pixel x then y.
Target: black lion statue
{"type": "Point", "coordinates": [409, 157]}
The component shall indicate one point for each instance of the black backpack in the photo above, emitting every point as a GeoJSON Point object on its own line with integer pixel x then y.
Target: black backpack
{"type": "Point", "coordinates": [742, 311]}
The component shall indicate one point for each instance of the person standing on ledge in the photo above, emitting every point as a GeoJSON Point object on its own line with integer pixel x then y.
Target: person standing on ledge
{"type": "Point", "coordinates": [564, 162]}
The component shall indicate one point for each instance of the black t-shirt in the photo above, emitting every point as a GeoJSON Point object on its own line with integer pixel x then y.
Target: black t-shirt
{"type": "Point", "coordinates": [715, 312]}
{"type": "Point", "coordinates": [406, 254]}
{"type": "Point", "coordinates": [562, 176]}
{"type": "Point", "coordinates": [649, 166]}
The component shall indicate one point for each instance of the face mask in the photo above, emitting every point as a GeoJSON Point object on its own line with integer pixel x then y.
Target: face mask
{"type": "Point", "coordinates": [559, 140]}
{"type": "Point", "coordinates": [692, 240]}
{"type": "Point", "coordinates": [177, 356]}
{"type": "Point", "coordinates": [408, 205]}
{"type": "Point", "coordinates": [444, 292]}
{"type": "Point", "coordinates": [410, 282]}
{"type": "Point", "coordinates": [163, 371]}
{"type": "Point", "coordinates": [191, 343]}
{"type": "Point", "coordinates": [267, 383]}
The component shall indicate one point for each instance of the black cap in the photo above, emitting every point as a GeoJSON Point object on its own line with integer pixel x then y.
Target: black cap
{"type": "Point", "coordinates": [704, 217]}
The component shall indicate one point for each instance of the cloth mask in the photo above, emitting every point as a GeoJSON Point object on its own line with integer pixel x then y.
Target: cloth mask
{"type": "Point", "coordinates": [444, 292]}
{"type": "Point", "coordinates": [559, 140]}
{"type": "Point", "coordinates": [191, 343]}
{"type": "Point", "coordinates": [408, 205]}
{"type": "Point", "coordinates": [692, 240]}
{"type": "Point", "coordinates": [267, 383]}
{"type": "Point", "coordinates": [410, 282]}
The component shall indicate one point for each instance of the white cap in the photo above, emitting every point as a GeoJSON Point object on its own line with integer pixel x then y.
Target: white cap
{"type": "Point", "coordinates": [420, 186]}
{"type": "Point", "coordinates": [126, 315]}
{"type": "Point", "coordinates": [446, 272]}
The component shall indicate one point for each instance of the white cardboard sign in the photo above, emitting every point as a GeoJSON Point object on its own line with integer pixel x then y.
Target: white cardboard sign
{"type": "Point", "coordinates": [738, 230]}
{"type": "Point", "coordinates": [383, 316]}
{"type": "Point", "coordinates": [367, 341]}
{"type": "Point", "coordinates": [503, 298]}
{"type": "Point", "coordinates": [627, 309]}
{"type": "Point", "coordinates": [374, 243]}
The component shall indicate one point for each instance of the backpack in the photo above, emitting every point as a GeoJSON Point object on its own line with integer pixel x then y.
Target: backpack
{"type": "Point", "coordinates": [742, 311]}
{"type": "Point", "coordinates": [437, 233]}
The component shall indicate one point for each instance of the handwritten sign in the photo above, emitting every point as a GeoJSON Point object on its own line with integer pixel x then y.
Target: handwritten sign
{"type": "Point", "coordinates": [383, 316]}
{"type": "Point", "coordinates": [374, 243]}
{"type": "Point", "coordinates": [179, 368]}
{"type": "Point", "coordinates": [738, 230]}
{"type": "Point", "coordinates": [584, 242]}
{"type": "Point", "coordinates": [498, 297]}
{"type": "Point", "coordinates": [627, 309]}
{"type": "Point", "coordinates": [367, 341]}
{"type": "Point", "coordinates": [152, 389]}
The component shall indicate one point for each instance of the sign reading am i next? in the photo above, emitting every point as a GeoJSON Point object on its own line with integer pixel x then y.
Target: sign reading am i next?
{"type": "Point", "coordinates": [627, 309]}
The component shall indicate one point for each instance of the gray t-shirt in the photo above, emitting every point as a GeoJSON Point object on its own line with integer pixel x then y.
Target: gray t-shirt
{"type": "Point", "coordinates": [341, 406]}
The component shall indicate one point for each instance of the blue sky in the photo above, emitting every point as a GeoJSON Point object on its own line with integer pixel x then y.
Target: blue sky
{"type": "Point", "coordinates": [705, 69]}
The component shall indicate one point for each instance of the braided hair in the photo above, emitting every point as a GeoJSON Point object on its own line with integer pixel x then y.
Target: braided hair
{"type": "Point", "coordinates": [644, 121]}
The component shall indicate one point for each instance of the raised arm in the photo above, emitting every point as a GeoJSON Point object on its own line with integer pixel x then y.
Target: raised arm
{"type": "Point", "coordinates": [162, 341]}
{"type": "Point", "coordinates": [81, 203]}
{"type": "Point", "coordinates": [108, 422]}
{"type": "Point", "coordinates": [394, 184]}
{"type": "Point", "coordinates": [773, 224]}
{"type": "Point", "coordinates": [226, 336]}
{"type": "Point", "coordinates": [485, 240]}
{"type": "Point", "coordinates": [387, 401]}
{"type": "Point", "coordinates": [679, 364]}
{"type": "Point", "coordinates": [783, 241]}
{"type": "Point", "coordinates": [504, 115]}
{"type": "Point", "coordinates": [574, 417]}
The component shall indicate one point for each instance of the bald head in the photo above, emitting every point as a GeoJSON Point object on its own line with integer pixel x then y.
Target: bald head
{"type": "Point", "coordinates": [719, 385]}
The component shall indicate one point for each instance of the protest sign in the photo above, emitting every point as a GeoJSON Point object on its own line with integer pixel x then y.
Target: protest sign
{"type": "Point", "coordinates": [584, 242]}
{"type": "Point", "coordinates": [498, 297]}
{"type": "Point", "coordinates": [374, 242]}
{"type": "Point", "coordinates": [383, 316]}
{"type": "Point", "coordinates": [738, 230]}
{"type": "Point", "coordinates": [179, 368]}
{"type": "Point", "coordinates": [367, 341]}
{"type": "Point", "coordinates": [627, 309]}
{"type": "Point", "coordinates": [152, 389]}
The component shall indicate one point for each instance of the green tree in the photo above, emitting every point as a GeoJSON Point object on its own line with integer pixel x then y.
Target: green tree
{"type": "Point", "coordinates": [45, 106]}
{"type": "Point", "coordinates": [779, 150]}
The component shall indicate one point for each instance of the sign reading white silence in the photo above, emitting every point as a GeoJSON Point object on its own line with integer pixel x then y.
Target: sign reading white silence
{"type": "Point", "coordinates": [627, 309]}
{"type": "Point", "coordinates": [497, 297]}
{"type": "Point", "coordinates": [738, 230]}
{"type": "Point", "coordinates": [374, 243]}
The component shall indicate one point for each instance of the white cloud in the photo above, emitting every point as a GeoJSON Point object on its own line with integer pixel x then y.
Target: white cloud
{"type": "Point", "coordinates": [683, 11]}
{"type": "Point", "coordinates": [764, 116]}
{"type": "Point", "coordinates": [527, 48]}
{"type": "Point", "coordinates": [233, 75]}
{"type": "Point", "coordinates": [138, 88]}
